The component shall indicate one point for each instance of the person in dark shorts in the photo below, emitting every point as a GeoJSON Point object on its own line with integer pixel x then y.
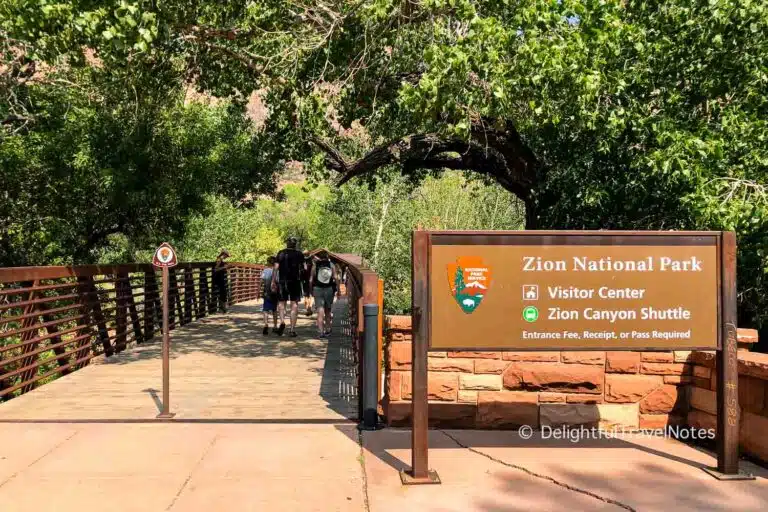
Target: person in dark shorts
{"type": "Point", "coordinates": [220, 282]}
{"type": "Point", "coordinates": [270, 294]}
{"type": "Point", "coordinates": [288, 267]}
{"type": "Point", "coordinates": [306, 271]}
{"type": "Point", "coordinates": [324, 281]}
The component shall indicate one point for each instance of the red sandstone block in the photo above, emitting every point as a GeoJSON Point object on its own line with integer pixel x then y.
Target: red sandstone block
{"type": "Point", "coordinates": [622, 362]}
{"type": "Point", "coordinates": [746, 336]}
{"type": "Point", "coordinates": [440, 386]}
{"type": "Point", "coordinates": [576, 378]}
{"type": "Point", "coordinates": [441, 414]}
{"type": "Point", "coordinates": [698, 382]}
{"type": "Point", "coordinates": [585, 357]}
{"type": "Point", "coordinates": [583, 399]}
{"type": "Point", "coordinates": [682, 356]}
{"type": "Point", "coordinates": [495, 366]}
{"type": "Point", "coordinates": [450, 365]}
{"type": "Point", "coordinates": [506, 409]}
{"type": "Point", "coordinates": [657, 357]}
{"type": "Point", "coordinates": [665, 368]}
{"type": "Point", "coordinates": [701, 419]}
{"type": "Point", "coordinates": [702, 372]}
{"type": "Point", "coordinates": [752, 435]}
{"type": "Point", "coordinates": [703, 358]}
{"type": "Point", "coordinates": [399, 322]}
{"type": "Point", "coordinates": [753, 364]}
{"type": "Point", "coordinates": [395, 336]}
{"type": "Point", "coordinates": [480, 382]}
{"type": "Point", "coordinates": [395, 389]}
{"type": "Point", "coordinates": [704, 400]}
{"type": "Point", "coordinates": [547, 397]}
{"type": "Point", "coordinates": [476, 355]}
{"type": "Point", "coordinates": [678, 380]}
{"type": "Point", "coordinates": [531, 356]}
{"type": "Point", "coordinates": [655, 421]}
{"type": "Point", "coordinates": [752, 394]}
{"type": "Point", "coordinates": [400, 356]}
{"type": "Point", "coordinates": [630, 388]}
{"type": "Point", "coordinates": [664, 400]}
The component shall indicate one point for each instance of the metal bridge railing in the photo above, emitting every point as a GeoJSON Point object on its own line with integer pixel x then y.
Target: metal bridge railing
{"type": "Point", "coordinates": [365, 297]}
{"type": "Point", "coordinates": [54, 320]}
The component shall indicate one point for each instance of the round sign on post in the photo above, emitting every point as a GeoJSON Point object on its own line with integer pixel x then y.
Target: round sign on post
{"type": "Point", "coordinates": [165, 256]}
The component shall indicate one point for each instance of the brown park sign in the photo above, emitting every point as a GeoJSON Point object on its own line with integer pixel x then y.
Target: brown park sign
{"type": "Point", "coordinates": [165, 256]}
{"type": "Point", "coordinates": [575, 290]}
{"type": "Point", "coordinates": [524, 291]}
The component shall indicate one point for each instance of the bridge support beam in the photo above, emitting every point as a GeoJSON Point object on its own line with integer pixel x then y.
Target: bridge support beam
{"type": "Point", "coordinates": [370, 391]}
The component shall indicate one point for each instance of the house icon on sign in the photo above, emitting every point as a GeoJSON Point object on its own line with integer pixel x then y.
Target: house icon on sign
{"type": "Point", "coordinates": [530, 292]}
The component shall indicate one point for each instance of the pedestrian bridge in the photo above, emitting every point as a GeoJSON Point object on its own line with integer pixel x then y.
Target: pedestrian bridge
{"type": "Point", "coordinates": [83, 344]}
{"type": "Point", "coordinates": [267, 422]}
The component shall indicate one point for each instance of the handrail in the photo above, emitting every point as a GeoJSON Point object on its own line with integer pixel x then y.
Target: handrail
{"type": "Point", "coordinates": [15, 274]}
{"type": "Point", "coordinates": [55, 319]}
{"type": "Point", "coordinates": [366, 289]}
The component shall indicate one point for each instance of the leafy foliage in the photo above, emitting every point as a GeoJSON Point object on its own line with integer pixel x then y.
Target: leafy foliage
{"type": "Point", "coordinates": [632, 114]}
{"type": "Point", "coordinates": [97, 160]}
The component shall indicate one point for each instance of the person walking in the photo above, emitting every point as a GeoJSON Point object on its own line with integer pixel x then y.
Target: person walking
{"type": "Point", "coordinates": [270, 295]}
{"type": "Point", "coordinates": [323, 281]}
{"type": "Point", "coordinates": [306, 271]}
{"type": "Point", "coordinates": [220, 281]}
{"type": "Point", "coordinates": [288, 267]}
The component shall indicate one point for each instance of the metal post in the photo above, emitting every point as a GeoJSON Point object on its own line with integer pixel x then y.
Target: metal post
{"type": "Point", "coordinates": [370, 367]}
{"type": "Point", "coordinates": [420, 472]}
{"type": "Point", "coordinates": [166, 349]}
{"type": "Point", "coordinates": [728, 370]}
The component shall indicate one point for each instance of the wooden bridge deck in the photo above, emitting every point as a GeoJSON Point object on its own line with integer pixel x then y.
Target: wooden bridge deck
{"type": "Point", "coordinates": [222, 368]}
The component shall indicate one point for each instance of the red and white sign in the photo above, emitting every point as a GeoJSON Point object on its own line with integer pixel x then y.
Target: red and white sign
{"type": "Point", "coordinates": [165, 256]}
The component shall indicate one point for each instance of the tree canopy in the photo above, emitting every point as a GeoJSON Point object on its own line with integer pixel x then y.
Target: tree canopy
{"type": "Point", "coordinates": [595, 113]}
{"type": "Point", "coordinates": [90, 151]}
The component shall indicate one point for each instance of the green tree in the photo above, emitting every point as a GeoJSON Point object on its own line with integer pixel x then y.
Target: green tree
{"type": "Point", "coordinates": [93, 165]}
{"type": "Point", "coordinates": [459, 280]}
{"type": "Point", "coordinates": [595, 114]}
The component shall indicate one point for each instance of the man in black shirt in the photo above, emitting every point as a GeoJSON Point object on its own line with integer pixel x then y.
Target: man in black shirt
{"type": "Point", "coordinates": [289, 264]}
{"type": "Point", "coordinates": [220, 282]}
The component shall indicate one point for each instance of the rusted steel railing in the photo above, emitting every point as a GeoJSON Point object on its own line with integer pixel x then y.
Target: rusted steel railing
{"type": "Point", "coordinates": [363, 286]}
{"type": "Point", "coordinates": [54, 320]}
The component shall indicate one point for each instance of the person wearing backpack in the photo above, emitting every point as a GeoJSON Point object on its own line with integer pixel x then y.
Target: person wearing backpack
{"type": "Point", "coordinates": [323, 283]}
{"type": "Point", "coordinates": [270, 294]}
{"type": "Point", "coordinates": [306, 270]}
{"type": "Point", "coordinates": [219, 281]}
{"type": "Point", "coordinates": [288, 267]}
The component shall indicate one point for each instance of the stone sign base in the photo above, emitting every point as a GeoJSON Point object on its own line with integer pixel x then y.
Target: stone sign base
{"type": "Point", "coordinates": [629, 390]}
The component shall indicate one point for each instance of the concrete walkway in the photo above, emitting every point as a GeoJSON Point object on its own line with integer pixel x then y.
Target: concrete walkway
{"type": "Point", "coordinates": [222, 368]}
{"type": "Point", "coordinates": [119, 467]}
{"type": "Point", "coordinates": [179, 467]}
{"type": "Point", "coordinates": [499, 471]}
{"type": "Point", "coordinates": [263, 424]}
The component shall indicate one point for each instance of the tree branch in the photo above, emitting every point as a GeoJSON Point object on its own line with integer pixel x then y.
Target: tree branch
{"type": "Point", "coordinates": [495, 148]}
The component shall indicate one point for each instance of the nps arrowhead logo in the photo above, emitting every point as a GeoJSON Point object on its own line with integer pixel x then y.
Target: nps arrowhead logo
{"type": "Point", "coordinates": [469, 279]}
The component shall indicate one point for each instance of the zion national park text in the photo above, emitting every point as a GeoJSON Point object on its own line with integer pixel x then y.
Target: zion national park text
{"type": "Point", "coordinates": [585, 264]}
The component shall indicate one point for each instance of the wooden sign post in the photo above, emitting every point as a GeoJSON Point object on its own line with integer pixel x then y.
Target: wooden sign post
{"type": "Point", "coordinates": [575, 290]}
{"type": "Point", "coordinates": [165, 258]}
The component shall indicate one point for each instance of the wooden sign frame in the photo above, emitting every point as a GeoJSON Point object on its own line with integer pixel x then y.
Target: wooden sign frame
{"type": "Point", "coordinates": [727, 361]}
